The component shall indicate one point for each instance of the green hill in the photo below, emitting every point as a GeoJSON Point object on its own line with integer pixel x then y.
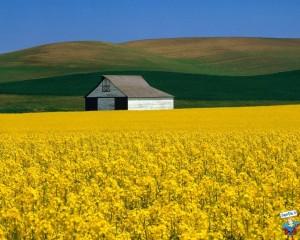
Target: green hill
{"type": "Point", "coordinates": [213, 56]}
{"type": "Point", "coordinates": [278, 86]}
{"type": "Point", "coordinates": [190, 90]}
{"type": "Point", "coordinates": [198, 71]}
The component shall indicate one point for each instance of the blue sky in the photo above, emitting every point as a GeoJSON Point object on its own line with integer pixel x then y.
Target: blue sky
{"type": "Point", "coordinates": [26, 23]}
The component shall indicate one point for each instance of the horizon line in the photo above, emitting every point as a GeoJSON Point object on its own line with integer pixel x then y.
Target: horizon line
{"type": "Point", "coordinates": [147, 39]}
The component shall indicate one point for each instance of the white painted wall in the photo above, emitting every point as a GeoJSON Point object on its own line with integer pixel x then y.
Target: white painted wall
{"type": "Point", "coordinates": [150, 103]}
{"type": "Point", "coordinates": [106, 103]}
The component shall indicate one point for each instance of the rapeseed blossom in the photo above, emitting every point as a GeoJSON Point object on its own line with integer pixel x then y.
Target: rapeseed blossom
{"type": "Point", "coordinates": [147, 181]}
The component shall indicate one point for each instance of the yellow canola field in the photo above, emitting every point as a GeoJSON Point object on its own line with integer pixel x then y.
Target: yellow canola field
{"type": "Point", "coordinates": [212, 119]}
{"type": "Point", "coordinates": [221, 173]}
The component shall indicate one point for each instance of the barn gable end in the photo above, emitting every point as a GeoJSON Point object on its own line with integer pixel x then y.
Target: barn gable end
{"type": "Point", "coordinates": [114, 91]}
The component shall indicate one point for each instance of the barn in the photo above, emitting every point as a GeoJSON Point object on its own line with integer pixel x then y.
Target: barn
{"type": "Point", "coordinates": [119, 92]}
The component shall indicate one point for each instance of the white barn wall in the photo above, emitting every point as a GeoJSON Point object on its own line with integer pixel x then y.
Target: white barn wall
{"type": "Point", "coordinates": [150, 103]}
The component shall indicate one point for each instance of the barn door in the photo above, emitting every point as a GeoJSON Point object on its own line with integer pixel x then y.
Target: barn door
{"type": "Point", "coordinates": [121, 103]}
{"type": "Point", "coordinates": [106, 103]}
{"type": "Point", "coordinates": [90, 104]}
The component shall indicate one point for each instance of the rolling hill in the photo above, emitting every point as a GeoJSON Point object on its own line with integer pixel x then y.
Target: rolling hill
{"type": "Point", "coordinates": [198, 71]}
{"type": "Point", "coordinates": [190, 90]}
{"type": "Point", "coordinates": [228, 56]}
{"type": "Point", "coordinates": [277, 86]}
{"type": "Point", "coordinates": [213, 56]}
{"type": "Point", "coordinates": [74, 57]}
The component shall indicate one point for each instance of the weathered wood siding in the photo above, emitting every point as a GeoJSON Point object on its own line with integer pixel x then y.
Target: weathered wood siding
{"type": "Point", "coordinates": [106, 103]}
{"type": "Point", "coordinates": [114, 92]}
{"type": "Point", "coordinates": [150, 103]}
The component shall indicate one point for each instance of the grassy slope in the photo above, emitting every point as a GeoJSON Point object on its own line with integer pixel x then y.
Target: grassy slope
{"type": "Point", "coordinates": [26, 103]}
{"type": "Point", "coordinates": [279, 86]}
{"type": "Point", "coordinates": [66, 93]}
{"type": "Point", "coordinates": [158, 61]}
{"type": "Point", "coordinates": [77, 57]}
{"type": "Point", "coordinates": [228, 56]}
{"type": "Point", "coordinates": [222, 56]}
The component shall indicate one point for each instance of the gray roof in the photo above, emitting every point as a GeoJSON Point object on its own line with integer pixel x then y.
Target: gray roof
{"type": "Point", "coordinates": [135, 86]}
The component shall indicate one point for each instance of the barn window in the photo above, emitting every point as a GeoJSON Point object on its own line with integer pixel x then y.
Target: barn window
{"type": "Point", "coordinates": [105, 86]}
